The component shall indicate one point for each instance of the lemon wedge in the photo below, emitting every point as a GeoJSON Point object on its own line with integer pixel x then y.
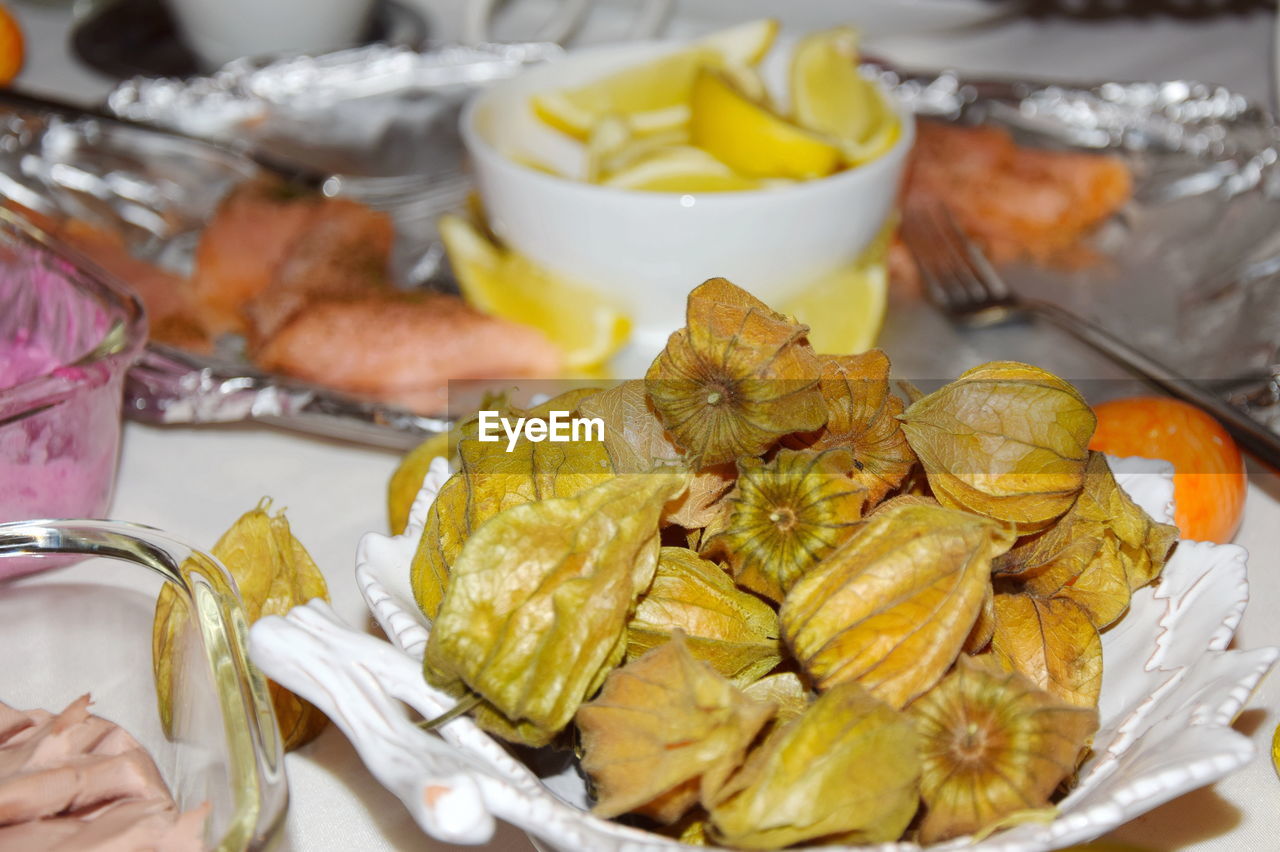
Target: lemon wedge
{"type": "Point", "coordinates": [614, 146]}
{"type": "Point", "coordinates": [742, 44]}
{"type": "Point", "coordinates": [509, 285]}
{"type": "Point", "coordinates": [830, 97]}
{"type": "Point", "coordinates": [749, 138]}
{"type": "Point", "coordinates": [845, 309]}
{"type": "Point", "coordinates": [653, 96]}
{"type": "Point", "coordinates": [680, 168]}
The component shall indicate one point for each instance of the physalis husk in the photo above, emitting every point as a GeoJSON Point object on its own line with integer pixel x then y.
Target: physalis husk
{"type": "Point", "coordinates": [992, 745]}
{"type": "Point", "coordinates": [1101, 550]}
{"type": "Point", "coordinates": [846, 771]}
{"type": "Point", "coordinates": [732, 630]}
{"type": "Point", "coordinates": [891, 607]}
{"type": "Point", "coordinates": [862, 417]}
{"type": "Point", "coordinates": [785, 516]}
{"type": "Point", "coordinates": [665, 732]}
{"type": "Point", "coordinates": [491, 479]}
{"type": "Point", "coordinates": [736, 379]}
{"type": "Point", "coordinates": [535, 615]}
{"type": "Point", "coordinates": [636, 440]}
{"type": "Point", "coordinates": [1005, 440]}
{"type": "Point", "coordinates": [274, 573]}
{"type": "Point", "coordinates": [786, 691]}
{"type": "Point", "coordinates": [1052, 642]}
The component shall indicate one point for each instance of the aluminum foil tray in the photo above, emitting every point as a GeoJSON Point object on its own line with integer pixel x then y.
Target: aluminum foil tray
{"type": "Point", "coordinates": [1189, 271]}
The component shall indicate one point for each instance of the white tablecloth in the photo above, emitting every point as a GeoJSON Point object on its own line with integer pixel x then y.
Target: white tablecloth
{"type": "Point", "coordinates": [194, 481]}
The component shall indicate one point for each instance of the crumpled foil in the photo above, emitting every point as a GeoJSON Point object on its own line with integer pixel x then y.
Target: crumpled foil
{"type": "Point", "coordinates": [1189, 271]}
{"type": "Point", "coordinates": [378, 124]}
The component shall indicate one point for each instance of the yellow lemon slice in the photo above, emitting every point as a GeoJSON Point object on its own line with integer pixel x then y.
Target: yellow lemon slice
{"type": "Point", "coordinates": [653, 96]}
{"type": "Point", "coordinates": [681, 168]}
{"type": "Point", "coordinates": [845, 309]}
{"type": "Point", "coordinates": [614, 146]}
{"type": "Point", "coordinates": [506, 284]}
{"type": "Point", "coordinates": [749, 138]}
{"type": "Point", "coordinates": [830, 97]}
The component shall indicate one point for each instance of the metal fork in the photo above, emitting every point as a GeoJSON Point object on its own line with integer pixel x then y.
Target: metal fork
{"type": "Point", "coordinates": [963, 284]}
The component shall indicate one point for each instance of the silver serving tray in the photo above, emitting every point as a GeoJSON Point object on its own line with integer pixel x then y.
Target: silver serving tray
{"type": "Point", "coordinates": [1188, 271]}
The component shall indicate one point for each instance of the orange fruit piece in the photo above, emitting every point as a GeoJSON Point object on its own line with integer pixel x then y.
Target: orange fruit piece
{"type": "Point", "coordinates": [11, 46]}
{"type": "Point", "coordinates": [1209, 482]}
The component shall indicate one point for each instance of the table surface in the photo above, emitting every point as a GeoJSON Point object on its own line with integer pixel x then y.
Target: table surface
{"type": "Point", "coordinates": [194, 482]}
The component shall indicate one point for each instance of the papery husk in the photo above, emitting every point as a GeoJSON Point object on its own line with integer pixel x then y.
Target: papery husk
{"type": "Point", "coordinates": [862, 417]}
{"type": "Point", "coordinates": [538, 601]}
{"type": "Point", "coordinates": [1005, 440]}
{"type": "Point", "coordinates": [736, 379]}
{"type": "Point", "coordinates": [274, 573]}
{"type": "Point", "coordinates": [733, 631]}
{"type": "Point", "coordinates": [665, 732]}
{"type": "Point", "coordinates": [891, 607]}
{"type": "Point", "coordinates": [846, 771]}
{"type": "Point", "coordinates": [985, 626]}
{"type": "Point", "coordinates": [1052, 642]}
{"type": "Point", "coordinates": [785, 516]}
{"type": "Point", "coordinates": [1099, 552]}
{"type": "Point", "coordinates": [993, 745]}
{"type": "Point", "coordinates": [787, 692]}
{"type": "Point", "coordinates": [636, 440]}
{"type": "Point", "coordinates": [489, 480]}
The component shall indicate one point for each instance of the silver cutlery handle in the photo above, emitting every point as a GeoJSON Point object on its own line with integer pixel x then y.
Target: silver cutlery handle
{"type": "Point", "coordinates": [1247, 432]}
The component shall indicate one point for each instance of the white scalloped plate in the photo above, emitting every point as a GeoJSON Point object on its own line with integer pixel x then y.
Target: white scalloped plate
{"type": "Point", "coordinates": [1170, 692]}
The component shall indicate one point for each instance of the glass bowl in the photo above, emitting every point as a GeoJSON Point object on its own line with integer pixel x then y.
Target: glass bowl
{"type": "Point", "coordinates": [68, 334]}
{"type": "Point", "coordinates": [88, 630]}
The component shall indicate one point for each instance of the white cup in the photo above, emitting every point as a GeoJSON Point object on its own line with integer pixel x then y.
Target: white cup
{"type": "Point", "coordinates": [644, 251]}
{"type": "Point", "coordinates": [221, 30]}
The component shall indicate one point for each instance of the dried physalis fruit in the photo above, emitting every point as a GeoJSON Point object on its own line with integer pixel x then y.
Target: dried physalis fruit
{"type": "Point", "coordinates": [274, 573]}
{"type": "Point", "coordinates": [985, 627]}
{"type": "Point", "coordinates": [1005, 440]}
{"type": "Point", "coordinates": [737, 378]}
{"type": "Point", "coordinates": [846, 771]}
{"type": "Point", "coordinates": [732, 630]}
{"type": "Point", "coordinates": [787, 692]}
{"type": "Point", "coordinates": [491, 479]}
{"type": "Point", "coordinates": [665, 732]}
{"type": "Point", "coordinates": [636, 440]}
{"type": "Point", "coordinates": [536, 611]}
{"type": "Point", "coordinates": [892, 606]}
{"type": "Point", "coordinates": [1052, 642]}
{"type": "Point", "coordinates": [862, 416]}
{"type": "Point", "coordinates": [1100, 551]}
{"type": "Point", "coordinates": [785, 516]}
{"type": "Point", "coordinates": [992, 745]}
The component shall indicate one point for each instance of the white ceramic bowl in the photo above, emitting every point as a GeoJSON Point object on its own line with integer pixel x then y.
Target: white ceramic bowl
{"type": "Point", "coordinates": [1170, 691]}
{"type": "Point", "coordinates": [646, 250]}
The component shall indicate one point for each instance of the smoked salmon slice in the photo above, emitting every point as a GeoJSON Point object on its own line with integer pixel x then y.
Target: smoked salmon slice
{"type": "Point", "coordinates": [405, 348]}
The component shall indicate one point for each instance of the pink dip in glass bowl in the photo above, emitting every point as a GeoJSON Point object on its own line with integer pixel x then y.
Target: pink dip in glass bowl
{"type": "Point", "coordinates": [68, 334]}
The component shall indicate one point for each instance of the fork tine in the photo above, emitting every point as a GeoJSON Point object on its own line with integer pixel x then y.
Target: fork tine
{"type": "Point", "coordinates": [977, 262]}
{"type": "Point", "coordinates": [959, 279]}
{"type": "Point", "coordinates": [943, 268]}
{"type": "Point", "coordinates": [951, 246]}
{"type": "Point", "coordinates": [913, 233]}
